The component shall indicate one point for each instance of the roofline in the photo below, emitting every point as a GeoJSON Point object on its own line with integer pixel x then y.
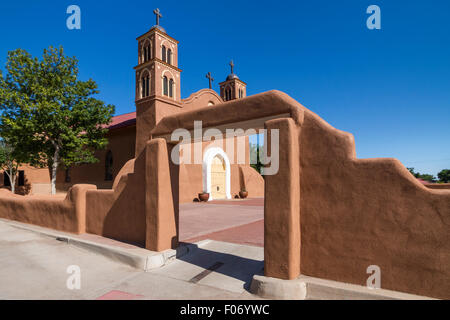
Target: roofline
{"type": "Point", "coordinates": [229, 81]}
{"type": "Point", "coordinates": [156, 30]}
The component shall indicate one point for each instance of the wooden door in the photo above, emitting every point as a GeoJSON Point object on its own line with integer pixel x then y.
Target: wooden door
{"type": "Point", "coordinates": [218, 180]}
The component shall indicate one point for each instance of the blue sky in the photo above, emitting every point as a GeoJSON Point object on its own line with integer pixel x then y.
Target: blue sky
{"type": "Point", "coordinates": [389, 87]}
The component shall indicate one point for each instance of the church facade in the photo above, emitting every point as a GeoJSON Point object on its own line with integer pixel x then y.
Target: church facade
{"type": "Point", "coordinates": [222, 171]}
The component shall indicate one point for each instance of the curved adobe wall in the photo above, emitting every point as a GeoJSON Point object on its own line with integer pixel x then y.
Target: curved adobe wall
{"type": "Point", "coordinates": [140, 208]}
{"type": "Point", "coordinates": [361, 212]}
{"type": "Point", "coordinates": [64, 214]}
{"type": "Point", "coordinates": [120, 213]}
{"type": "Point", "coordinates": [201, 99]}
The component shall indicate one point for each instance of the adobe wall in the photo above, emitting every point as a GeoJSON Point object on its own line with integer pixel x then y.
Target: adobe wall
{"type": "Point", "coordinates": [361, 212]}
{"type": "Point", "coordinates": [200, 99]}
{"type": "Point", "coordinates": [438, 185]}
{"type": "Point", "coordinates": [242, 175]}
{"type": "Point", "coordinates": [56, 212]}
{"type": "Point", "coordinates": [119, 213]}
{"type": "Point", "coordinates": [36, 180]}
{"type": "Point", "coordinates": [139, 209]}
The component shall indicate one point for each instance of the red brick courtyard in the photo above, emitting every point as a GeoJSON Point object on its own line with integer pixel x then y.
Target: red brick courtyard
{"type": "Point", "coordinates": [237, 221]}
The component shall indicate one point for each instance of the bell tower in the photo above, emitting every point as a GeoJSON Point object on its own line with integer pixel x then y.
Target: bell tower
{"type": "Point", "coordinates": [232, 88]}
{"type": "Point", "coordinates": [157, 80]}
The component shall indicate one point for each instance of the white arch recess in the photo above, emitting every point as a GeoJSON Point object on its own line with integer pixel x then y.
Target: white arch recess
{"type": "Point", "coordinates": [207, 162]}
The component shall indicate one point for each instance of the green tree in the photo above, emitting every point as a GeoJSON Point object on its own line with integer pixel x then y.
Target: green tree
{"type": "Point", "coordinates": [48, 113]}
{"type": "Point", "coordinates": [425, 176]}
{"type": "Point", "coordinates": [444, 176]}
{"type": "Point", "coordinates": [256, 154]}
{"type": "Point", "coordinates": [411, 170]}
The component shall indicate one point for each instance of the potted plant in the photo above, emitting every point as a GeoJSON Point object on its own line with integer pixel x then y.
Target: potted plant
{"type": "Point", "coordinates": [203, 196]}
{"type": "Point", "coordinates": [243, 193]}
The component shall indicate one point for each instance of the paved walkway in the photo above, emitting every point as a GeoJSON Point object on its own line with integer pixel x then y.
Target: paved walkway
{"type": "Point", "coordinates": [34, 266]}
{"type": "Point", "coordinates": [237, 221]}
{"type": "Point", "coordinates": [248, 234]}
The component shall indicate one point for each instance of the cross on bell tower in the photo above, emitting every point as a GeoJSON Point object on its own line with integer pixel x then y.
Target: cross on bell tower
{"type": "Point", "coordinates": [232, 88]}
{"type": "Point", "coordinates": [158, 15]}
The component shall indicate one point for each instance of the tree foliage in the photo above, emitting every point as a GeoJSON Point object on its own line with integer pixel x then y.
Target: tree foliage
{"type": "Point", "coordinates": [425, 176]}
{"type": "Point", "coordinates": [444, 176]}
{"type": "Point", "coordinates": [256, 154]}
{"type": "Point", "coordinates": [48, 113]}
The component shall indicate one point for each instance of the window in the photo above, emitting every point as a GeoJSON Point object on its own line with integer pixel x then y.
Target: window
{"type": "Point", "coordinates": [21, 181]}
{"type": "Point", "coordinates": [171, 88]}
{"type": "Point", "coordinates": [165, 86]}
{"type": "Point", "coordinates": [149, 53]}
{"type": "Point", "coordinates": [145, 86]}
{"type": "Point", "coordinates": [146, 51]}
{"type": "Point", "coordinates": [163, 54]}
{"type": "Point", "coordinates": [169, 56]}
{"type": "Point", "coordinates": [67, 177]}
{"type": "Point", "coordinates": [228, 94]}
{"type": "Point", "coordinates": [6, 181]}
{"type": "Point", "coordinates": [108, 166]}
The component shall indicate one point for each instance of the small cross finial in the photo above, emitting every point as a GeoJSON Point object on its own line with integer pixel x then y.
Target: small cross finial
{"type": "Point", "coordinates": [158, 15]}
{"type": "Point", "coordinates": [232, 66]}
{"type": "Point", "coordinates": [208, 75]}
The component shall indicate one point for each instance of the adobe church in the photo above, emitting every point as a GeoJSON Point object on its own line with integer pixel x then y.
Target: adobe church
{"type": "Point", "coordinates": [158, 94]}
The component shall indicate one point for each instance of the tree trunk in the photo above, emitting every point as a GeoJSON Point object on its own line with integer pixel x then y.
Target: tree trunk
{"type": "Point", "coordinates": [12, 178]}
{"type": "Point", "coordinates": [11, 171]}
{"type": "Point", "coordinates": [54, 169]}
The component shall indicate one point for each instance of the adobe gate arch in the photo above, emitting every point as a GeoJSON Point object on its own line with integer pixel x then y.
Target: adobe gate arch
{"type": "Point", "coordinates": [281, 208]}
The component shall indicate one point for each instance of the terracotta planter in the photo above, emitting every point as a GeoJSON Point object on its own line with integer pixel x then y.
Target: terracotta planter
{"type": "Point", "coordinates": [243, 194]}
{"type": "Point", "coordinates": [203, 196]}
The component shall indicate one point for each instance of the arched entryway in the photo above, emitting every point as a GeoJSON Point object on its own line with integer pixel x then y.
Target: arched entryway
{"type": "Point", "coordinates": [278, 114]}
{"type": "Point", "coordinates": [216, 174]}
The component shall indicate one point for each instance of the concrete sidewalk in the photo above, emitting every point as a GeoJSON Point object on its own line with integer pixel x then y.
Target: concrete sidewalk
{"type": "Point", "coordinates": [33, 265]}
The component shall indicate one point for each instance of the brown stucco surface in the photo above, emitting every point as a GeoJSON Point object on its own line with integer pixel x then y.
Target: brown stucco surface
{"type": "Point", "coordinates": [120, 213]}
{"type": "Point", "coordinates": [56, 212]}
{"type": "Point", "coordinates": [200, 99]}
